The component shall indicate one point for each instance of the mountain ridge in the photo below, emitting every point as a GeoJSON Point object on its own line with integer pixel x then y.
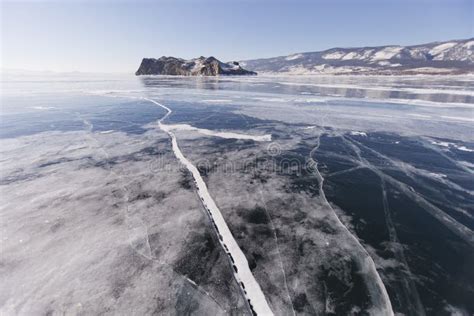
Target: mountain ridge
{"type": "Point", "coordinates": [446, 57]}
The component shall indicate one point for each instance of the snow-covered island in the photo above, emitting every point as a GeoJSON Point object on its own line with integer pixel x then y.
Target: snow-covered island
{"type": "Point", "coordinates": [201, 66]}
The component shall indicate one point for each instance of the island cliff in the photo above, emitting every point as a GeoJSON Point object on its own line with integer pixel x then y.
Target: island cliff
{"type": "Point", "coordinates": [201, 66]}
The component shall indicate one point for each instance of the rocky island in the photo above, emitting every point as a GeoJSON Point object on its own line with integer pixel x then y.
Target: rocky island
{"type": "Point", "coordinates": [202, 66]}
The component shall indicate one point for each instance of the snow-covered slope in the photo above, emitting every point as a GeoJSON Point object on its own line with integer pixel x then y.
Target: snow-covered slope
{"type": "Point", "coordinates": [452, 57]}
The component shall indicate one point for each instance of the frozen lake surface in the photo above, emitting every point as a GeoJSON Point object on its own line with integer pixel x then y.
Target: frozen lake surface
{"type": "Point", "coordinates": [216, 196]}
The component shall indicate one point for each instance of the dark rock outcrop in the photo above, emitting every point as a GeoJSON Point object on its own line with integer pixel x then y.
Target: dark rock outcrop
{"type": "Point", "coordinates": [201, 66]}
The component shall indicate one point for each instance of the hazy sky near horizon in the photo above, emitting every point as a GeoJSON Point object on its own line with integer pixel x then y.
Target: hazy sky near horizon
{"type": "Point", "coordinates": [113, 36]}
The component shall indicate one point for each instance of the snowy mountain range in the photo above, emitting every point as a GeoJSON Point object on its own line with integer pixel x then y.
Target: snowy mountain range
{"type": "Point", "coordinates": [452, 57]}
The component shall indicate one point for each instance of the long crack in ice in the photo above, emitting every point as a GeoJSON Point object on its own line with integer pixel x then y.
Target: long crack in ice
{"type": "Point", "coordinates": [185, 127]}
{"type": "Point", "coordinates": [251, 289]}
{"type": "Point", "coordinates": [451, 223]}
{"type": "Point", "coordinates": [378, 292]}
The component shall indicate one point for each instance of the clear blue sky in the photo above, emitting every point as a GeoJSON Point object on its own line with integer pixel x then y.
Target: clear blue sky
{"type": "Point", "coordinates": [113, 36]}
